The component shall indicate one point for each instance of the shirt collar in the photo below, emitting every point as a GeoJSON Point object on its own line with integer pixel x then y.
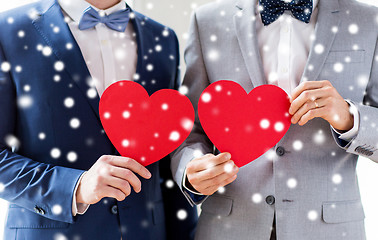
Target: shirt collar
{"type": "Point", "coordinates": [75, 8]}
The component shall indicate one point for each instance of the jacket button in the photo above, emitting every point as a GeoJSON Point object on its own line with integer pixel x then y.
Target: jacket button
{"type": "Point", "coordinates": [36, 209]}
{"type": "Point", "coordinates": [364, 151]}
{"type": "Point", "coordinates": [367, 152]}
{"type": "Point", "coordinates": [270, 200]}
{"type": "Point", "coordinates": [358, 149]}
{"type": "Point", "coordinates": [280, 151]}
{"type": "Point", "coordinates": [114, 209]}
{"type": "Point", "coordinates": [39, 210]}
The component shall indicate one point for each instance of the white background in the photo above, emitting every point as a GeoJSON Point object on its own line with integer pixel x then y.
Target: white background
{"type": "Point", "coordinates": [176, 14]}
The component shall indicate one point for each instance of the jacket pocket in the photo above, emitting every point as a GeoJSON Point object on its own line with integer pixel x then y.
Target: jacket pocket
{"type": "Point", "coordinates": [344, 211]}
{"type": "Point", "coordinates": [356, 56]}
{"type": "Point", "coordinates": [22, 218]}
{"type": "Point", "coordinates": [218, 205]}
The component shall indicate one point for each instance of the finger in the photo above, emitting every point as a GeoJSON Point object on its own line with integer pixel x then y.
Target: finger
{"type": "Point", "coordinates": [210, 173]}
{"type": "Point", "coordinates": [211, 190]}
{"type": "Point", "coordinates": [305, 96]}
{"type": "Point", "coordinates": [311, 114]}
{"type": "Point", "coordinates": [131, 164]}
{"type": "Point", "coordinates": [120, 184]}
{"type": "Point", "coordinates": [308, 85]}
{"type": "Point", "coordinates": [306, 107]}
{"type": "Point", "coordinates": [114, 193]}
{"type": "Point", "coordinates": [210, 162]}
{"type": "Point", "coordinates": [126, 174]}
{"type": "Point", "coordinates": [209, 155]}
{"type": "Point", "coordinates": [218, 180]}
{"type": "Point", "coordinates": [205, 177]}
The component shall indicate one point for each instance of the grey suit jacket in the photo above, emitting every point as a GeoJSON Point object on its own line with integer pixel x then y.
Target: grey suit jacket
{"type": "Point", "coordinates": [315, 189]}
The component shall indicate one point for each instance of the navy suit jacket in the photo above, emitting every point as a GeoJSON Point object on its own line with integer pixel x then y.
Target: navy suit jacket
{"type": "Point", "coordinates": [39, 184]}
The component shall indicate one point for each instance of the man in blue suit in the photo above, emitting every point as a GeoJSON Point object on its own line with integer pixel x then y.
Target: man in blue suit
{"type": "Point", "coordinates": [58, 169]}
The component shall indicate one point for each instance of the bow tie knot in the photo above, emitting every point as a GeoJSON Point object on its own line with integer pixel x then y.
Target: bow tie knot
{"type": "Point", "coordinates": [286, 6]}
{"type": "Point", "coordinates": [273, 9]}
{"type": "Point", "coordinates": [116, 21]}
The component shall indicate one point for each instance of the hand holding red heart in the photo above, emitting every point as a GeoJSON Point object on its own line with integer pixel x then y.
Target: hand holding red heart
{"type": "Point", "coordinates": [313, 99]}
{"type": "Point", "coordinates": [208, 173]}
{"type": "Point", "coordinates": [244, 124]}
{"type": "Point", "coordinates": [155, 125]}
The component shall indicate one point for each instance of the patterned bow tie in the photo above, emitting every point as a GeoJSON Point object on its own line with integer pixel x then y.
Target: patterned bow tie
{"type": "Point", "coordinates": [116, 21]}
{"type": "Point", "coordinates": [271, 10]}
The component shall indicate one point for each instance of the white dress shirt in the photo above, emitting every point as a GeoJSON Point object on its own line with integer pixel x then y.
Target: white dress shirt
{"type": "Point", "coordinates": [284, 48]}
{"type": "Point", "coordinates": [109, 55]}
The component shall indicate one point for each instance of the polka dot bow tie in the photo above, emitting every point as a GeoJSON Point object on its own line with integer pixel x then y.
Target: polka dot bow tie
{"type": "Point", "coordinates": [116, 21]}
{"type": "Point", "coordinates": [271, 10]}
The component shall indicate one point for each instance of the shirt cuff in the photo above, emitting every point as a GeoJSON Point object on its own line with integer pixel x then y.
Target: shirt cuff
{"type": "Point", "coordinates": [78, 208]}
{"type": "Point", "coordinates": [352, 133]}
{"type": "Point", "coordinates": [184, 185]}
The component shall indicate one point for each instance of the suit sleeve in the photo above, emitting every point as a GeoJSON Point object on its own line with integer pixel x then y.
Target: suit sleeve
{"type": "Point", "coordinates": [196, 81]}
{"type": "Point", "coordinates": [28, 183]}
{"type": "Point", "coordinates": [366, 141]}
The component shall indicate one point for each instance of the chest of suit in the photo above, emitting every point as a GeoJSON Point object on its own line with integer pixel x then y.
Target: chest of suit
{"type": "Point", "coordinates": [57, 119]}
{"type": "Point", "coordinates": [57, 102]}
{"type": "Point", "coordinates": [347, 62]}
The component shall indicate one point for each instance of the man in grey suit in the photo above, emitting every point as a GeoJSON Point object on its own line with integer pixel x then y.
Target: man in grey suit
{"type": "Point", "coordinates": [326, 58]}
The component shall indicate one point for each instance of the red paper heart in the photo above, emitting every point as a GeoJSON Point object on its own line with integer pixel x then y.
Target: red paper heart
{"type": "Point", "coordinates": [145, 128]}
{"type": "Point", "coordinates": [245, 125]}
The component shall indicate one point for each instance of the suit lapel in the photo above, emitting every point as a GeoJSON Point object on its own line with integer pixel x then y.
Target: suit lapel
{"type": "Point", "coordinates": [328, 21]}
{"type": "Point", "coordinates": [50, 14]}
{"type": "Point", "coordinates": [51, 17]}
{"type": "Point", "coordinates": [244, 21]}
{"type": "Point", "coordinates": [144, 39]}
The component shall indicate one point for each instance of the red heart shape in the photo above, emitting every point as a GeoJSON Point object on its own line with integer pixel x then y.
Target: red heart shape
{"type": "Point", "coordinates": [145, 128]}
{"type": "Point", "coordinates": [245, 125]}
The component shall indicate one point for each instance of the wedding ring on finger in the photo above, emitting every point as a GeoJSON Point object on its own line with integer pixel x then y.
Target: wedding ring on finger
{"type": "Point", "coordinates": [316, 104]}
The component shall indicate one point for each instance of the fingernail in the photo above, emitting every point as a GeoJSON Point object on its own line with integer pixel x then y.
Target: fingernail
{"type": "Point", "coordinates": [228, 155]}
{"type": "Point", "coordinates": [149, 175]}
